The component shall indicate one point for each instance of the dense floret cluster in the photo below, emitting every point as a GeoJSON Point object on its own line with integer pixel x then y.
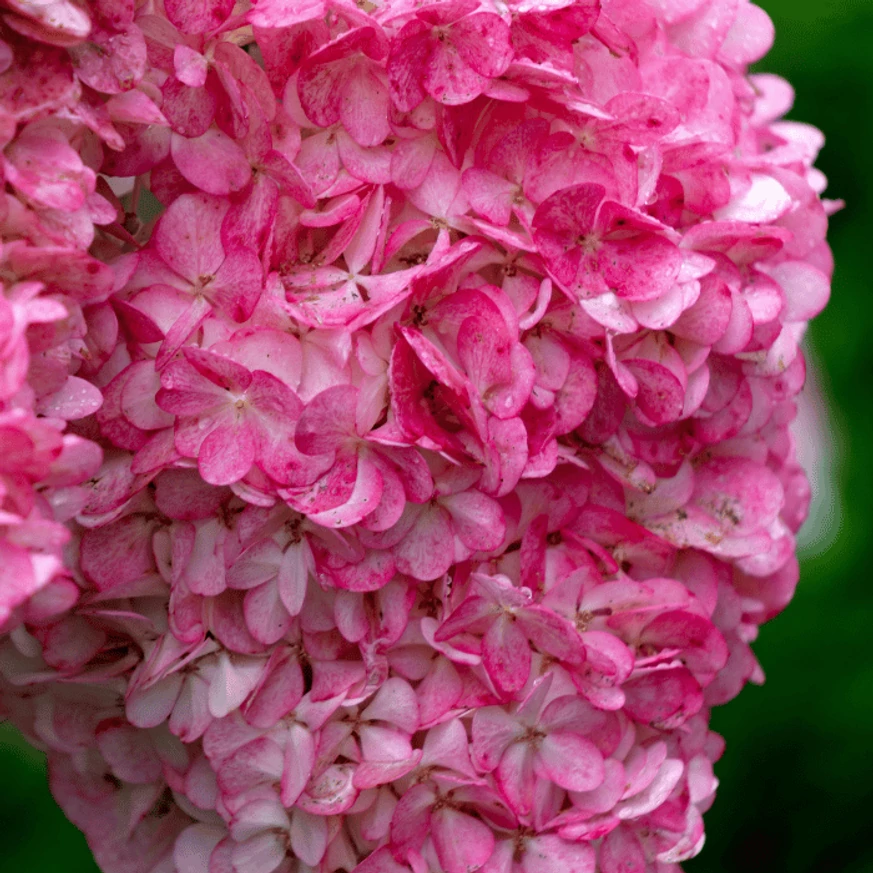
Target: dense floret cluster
{"type": "Point", "coordinates": [395, 396]}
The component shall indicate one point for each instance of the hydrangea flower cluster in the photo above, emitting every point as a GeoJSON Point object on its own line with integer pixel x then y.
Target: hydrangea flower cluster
{"type": "Point", "coordinates": [394, 410]}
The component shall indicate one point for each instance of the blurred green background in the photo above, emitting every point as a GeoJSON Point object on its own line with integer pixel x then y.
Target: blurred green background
{"type": "Point", "coordinates": [796, 790]}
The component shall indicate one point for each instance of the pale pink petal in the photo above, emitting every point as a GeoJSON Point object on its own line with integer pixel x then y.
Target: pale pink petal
{"type": "Point", "coordinates": [259, 854]}
{"type": "Point", "coordinates": [493, 731]}
{"type": "Point", "coordinates": [570, 761]}
{"type": "Point", "coordinates": [426, 552]}
{"type": "Point", "coordinates": [547, 853]}
{"type": "Point", "coordinates": [266, 616]}
{"type": "Point", "coordinates": [309, 836]}
{"type": "Point", "coordinates": [477, 520]}
{"type": "Point", "coordinates": [299, 761]}
{"type": "Point", "coordinates": [394, 703]}
{"type": "Point", "coordinates": [46, 168]}
{"type": "Point", "coordinates": [76, 399]}
{"type": "Point", "coordinates": [621, 852]}
{"type": "Point", "coordinates": [193, 847]}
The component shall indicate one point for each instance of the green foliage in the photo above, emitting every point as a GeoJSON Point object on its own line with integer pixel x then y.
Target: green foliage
{"type": "Point", "coordinates": [36, 836]}
{"type": "Point", "coordinates": [797, 779]}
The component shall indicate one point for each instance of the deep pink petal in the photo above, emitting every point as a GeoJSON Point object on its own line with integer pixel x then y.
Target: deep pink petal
{"type": "Point", "coordinates": [328, 420]}
{"type": "Point", "coordinates": [213, 162]}
{"type": "Point", "coordinates": [198, 16]}
{"type": "Point", "coordinates": [551, 633]}
{"type": "Point", "coordinates": [463, 844]}
{"type": "Point", "coordinates": [506, 655]}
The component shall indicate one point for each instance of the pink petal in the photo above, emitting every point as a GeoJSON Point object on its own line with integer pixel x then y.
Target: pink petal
{"type": "Point", "coordinates": [189, 111]}
{"type": "Point", "coordinates": [506, 656]}
{"type": "Point", "coordinates": [412, 817]}
{"type": "Point", "coordinates": [193, 847]}
{"type": "Point", "coordinates": [76, 399]}
{"type": "Point", "coordinates": [364, 107]}
{"type": "Point", "coordinates": [330, 793]}
{"type": "Point", "coordinates": [46, 168]}
{"type": "Point", "coordinates": [477, 520]}
{"type": "Point", "coordinates": [190, 66]}
{"type": "Point", "coordinates": [463, 844]}
{"type": "Point", "coordinates": [111, 62]}
{"type": "Point", "coordinates": [475, 613]}
{"type": "Point", "coordinates": [188, 236]}
{"type": "Point", "coordinates": [621, 852]}
{"type": "Point", "coordinates": [299, 762]}
{"type": "Point", "coordinates": [17, 579]}
{"type": "Point", "coordinates": [642, 267]}
{"type": "Point", "coordinates": [661, 396]}
{"type": "Point", "coordinates": [128, 752]}
{"type": "Point", "coordinates": [309, 836]}
{"type": "Point", "coordinates": [259, 854]}
{"type": "Point", "coordinates": [294, 570]}
{"type": "Point", "coordinates": [426, 552]}
{"type": "Point", "coordinates": [257, 762]}
{"type": "Point", "coordinates": [494, 730]}
{"type": "Point", "coordinates": [489, 194]}
{"type": "Point", "coordinates": [371, 774]}
{"type": "Point", "coordinates": [280, 13]}
{"type": "Point", "coordinates": [226, 455]}
{"type": "Point", "coordinates": [395, 703]}
{"type": "Point", "coordinates": [138, 398]}
{"type": "Point", "coordinates": [807, 289]}
{"type": "Point", "coordinates": [236, 286]}
{"type": "Point", "coordinates": [213, 162]}
{"type": "Point", "coordinates": [198, 16]}
{"type": "Point", "coordinates": [117, 553]}
{"type": "Point", "coordinates": [483, 41]}
{"type": "Point", "coordinates": [280, 690]}
{"type": "Point", "coordinates": [449, 79]}
{"type": "Point", "coordinates": [149, 707]}
{"type": "Point", "coordinates": [665, 698]}
{"type": "Point", "coordinates": [364, 498]}
{"type": "Point", "coordinates": [180, 332]}
{"type": "Point", "coordinates": [410, 49]}
{"type": "Point", "coordinates": [381, 861]}
{"type": "Point", "coordinates": [266, 617]}
{"type": "Point", "coordinates": [233, 681]}
{"type": "Point", "coordinates": [329, 418]}
{"type": "Point", "coordinates": [551, 633]}
{"type": "Point", "coordinates": [548, 853]}
{"type": "Point", "coordinates": [570, 761]}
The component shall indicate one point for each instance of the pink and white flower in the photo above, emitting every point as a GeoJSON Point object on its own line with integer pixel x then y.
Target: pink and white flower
{"type": "Point", "coordinates": [394, 414]}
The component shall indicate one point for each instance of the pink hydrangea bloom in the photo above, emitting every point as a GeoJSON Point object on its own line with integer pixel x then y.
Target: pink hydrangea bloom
{"type": "Point", "coordinates": [395, 462]}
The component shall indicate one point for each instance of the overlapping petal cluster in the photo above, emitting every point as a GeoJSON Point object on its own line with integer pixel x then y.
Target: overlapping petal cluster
{"type": "Point", "coordinates": [395, 405]}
